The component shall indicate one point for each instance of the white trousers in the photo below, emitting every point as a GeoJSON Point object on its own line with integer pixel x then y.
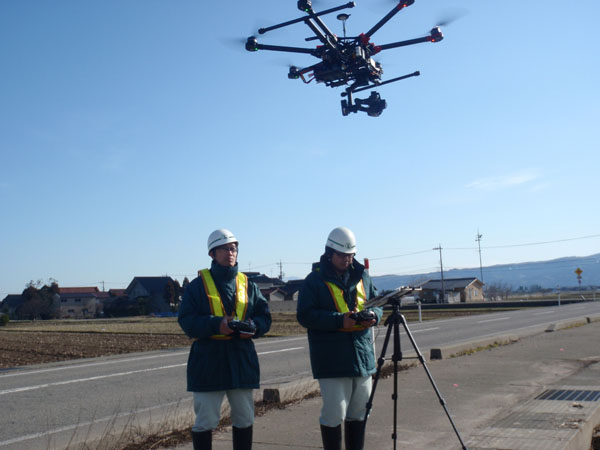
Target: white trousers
{"type": "Point", "coordinates": [344, 399]}
{"type": "Point", "coordinates": [207, 406]}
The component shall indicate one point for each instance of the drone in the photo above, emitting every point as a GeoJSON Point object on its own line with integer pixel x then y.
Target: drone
{"type": "Point", "coordinates": [344, 61]}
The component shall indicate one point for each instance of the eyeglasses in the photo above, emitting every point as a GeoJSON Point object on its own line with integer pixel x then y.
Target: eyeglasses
{"type": "Point", "coordinates": [344, 255]}
{"type": "Point", "coordinates": [232, 249]}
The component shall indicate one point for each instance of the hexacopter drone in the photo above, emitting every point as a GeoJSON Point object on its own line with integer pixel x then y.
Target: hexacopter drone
{"type": "Point", "coordinates": [344, 60]}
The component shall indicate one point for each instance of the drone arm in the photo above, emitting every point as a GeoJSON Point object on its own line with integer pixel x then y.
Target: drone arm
{"type": "Point", "coordinates": [302, 19]}
{"type": "Point", "coordinates": [326, 37]}
{"type": "Point", "coordinates": [435, 36]}
{"type": "Point", "coordinates": [330, 38]}
{"type": "Point", "coordinates": [401, 5]}
{"type": "Point", "coordinates": [252, 46]}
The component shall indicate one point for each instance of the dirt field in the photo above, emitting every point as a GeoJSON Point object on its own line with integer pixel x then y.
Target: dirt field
{"type": "Point", "coordinates": [35, 342]}
{"type": "Point", "coordinates": [20, 348]}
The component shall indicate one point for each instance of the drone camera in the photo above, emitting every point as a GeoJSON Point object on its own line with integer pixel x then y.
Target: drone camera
{"type": "Point", "coordinates": [373, 105]}
{"type": "Point", "coordinates": [251, 44]}
{"type": "Point", "coordinates": [436, 34]}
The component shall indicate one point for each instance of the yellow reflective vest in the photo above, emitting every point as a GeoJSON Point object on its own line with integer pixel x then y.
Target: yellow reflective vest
{"type": "Point", "coordinates": [216, 304]}
{"type": "Point", "coordinates": [341, 305]}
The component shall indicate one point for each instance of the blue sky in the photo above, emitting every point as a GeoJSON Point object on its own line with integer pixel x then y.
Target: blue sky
{"type": "Point", "coordinates": [130, 130]}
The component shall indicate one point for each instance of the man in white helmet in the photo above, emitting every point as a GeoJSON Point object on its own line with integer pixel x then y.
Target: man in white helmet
{"type": "Point", "coordinates": [341, 344]}
{"type": "Point", "coordinates": [222, 310]}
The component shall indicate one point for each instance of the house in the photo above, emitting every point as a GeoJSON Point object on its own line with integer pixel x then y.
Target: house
{"type": "Point", "coordinates": [151, 293]}
{"type": "Point", "coordinates": [285, 292]}
{"type": "Point", "coordinates": [292, 289]}
{"type": "Point", "coordinates": [273, 294]}
{"type": "Point", "coordinates": [77, 302]}
{"type": "Point", "coordinates": [263, 281]}
{"type": "Point", "coordinates": [457, 290]}
{"type": "Point", "coordinates": [10, 304]}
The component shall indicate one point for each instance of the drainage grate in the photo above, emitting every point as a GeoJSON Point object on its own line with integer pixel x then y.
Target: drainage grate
{"type": "Point", "coordinates": [569, 395]}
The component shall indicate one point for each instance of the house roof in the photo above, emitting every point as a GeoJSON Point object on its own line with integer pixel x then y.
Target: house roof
{"type": "Point", "coordinates": [450, 284]}
{"type": "Point", "coordinates": [79, 295]}
{"type": "Point", "coordinates": [264, 279]}
{"type": "Point", "coordinates": [78, 290]}
{"type": "Point", "coordinates": [11, 301]}
{"type": "Point", "coordinates": [268, 291]}
{"type": "Point", "coordinates": [154, 285]}
{"type": "Point", "coordinates": [290, 288]}
{"type": "Point", "coordinates": [116, 292]}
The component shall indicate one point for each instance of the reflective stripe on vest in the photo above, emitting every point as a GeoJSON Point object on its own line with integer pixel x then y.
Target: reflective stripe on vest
{"type": "Point", "coordinates": [342, 306]}
{"type": "Point", "coordinates": [215, 302]}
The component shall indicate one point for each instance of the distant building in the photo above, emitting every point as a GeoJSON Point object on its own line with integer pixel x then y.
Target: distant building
{"type": "Point", "coordinates": [292, 289]}
{"type": "Point", "coordinates": [77, 302]}
{"type": "Point", "coordinates": [284, 292]}
{"type": "Point", "coordinates": [150, 293]}
{"type": "Point", "coordinates": [457, 290]}
{"type": "Point", "coordinates": [10, 304]}
{"type": "Point", "coordinates": [263, 281]}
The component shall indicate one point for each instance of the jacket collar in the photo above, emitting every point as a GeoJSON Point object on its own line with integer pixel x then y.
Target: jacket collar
{"type": "Point", "coordinates": [355, 271]}
{"type": "Point", "coordinates": [222, 273]}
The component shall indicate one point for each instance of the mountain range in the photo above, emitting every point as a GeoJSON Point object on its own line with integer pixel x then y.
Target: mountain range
{"type": "Point", "coordinates": [545, 274]}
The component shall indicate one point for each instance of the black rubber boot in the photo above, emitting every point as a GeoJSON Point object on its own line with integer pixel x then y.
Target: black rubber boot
{"type": "Point", "coordinates": [242, 438]}
{"type": "Point", "coordinates": [354, 434]}
{"type": "Point", "coordinates": [202, 440]}
{"type": "Point", "coordinates": [332, 437]}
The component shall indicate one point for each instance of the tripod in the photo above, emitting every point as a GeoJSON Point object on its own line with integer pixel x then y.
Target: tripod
{"type": "Point", "coordinates": [393, 324]}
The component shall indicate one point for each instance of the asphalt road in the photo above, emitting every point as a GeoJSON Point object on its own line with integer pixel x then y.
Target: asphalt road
{"type": "Point", "coordinates": [57, 405]}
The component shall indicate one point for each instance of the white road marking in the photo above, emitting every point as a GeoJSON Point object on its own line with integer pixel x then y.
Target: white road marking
{"type": "Point", "coordinates": [24, 371]}
{"type": "Point", "coordinates": [282, 350]}
{"type": "Point", "coordinates": [545, 312]}
{"type": "Point", "coordinates": [493, 320]}
{"type": "Point", "coordinates": [119, 374]}
{"type": "Point", "coordinates": [77, 366]}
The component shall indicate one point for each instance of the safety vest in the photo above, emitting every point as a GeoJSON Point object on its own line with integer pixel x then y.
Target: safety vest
{"type": "Point", "coordinates": [216, 304]}
{"type": "Point", "coordinates": [342, 306]}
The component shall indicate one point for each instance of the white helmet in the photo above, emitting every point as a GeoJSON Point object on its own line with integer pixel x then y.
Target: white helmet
{"type": "Point", "coordinates": [341, 239]}
{"type": "Point", "coordinates": [220, 237]}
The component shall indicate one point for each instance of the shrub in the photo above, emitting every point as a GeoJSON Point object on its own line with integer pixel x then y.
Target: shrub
{"type": "Point", "coordinates": [3, 319]}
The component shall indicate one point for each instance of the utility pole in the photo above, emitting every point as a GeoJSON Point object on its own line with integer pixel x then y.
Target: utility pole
{"type": "Point", "coordinates": [478, 239]}
{"type": "Point", "coordinates": [280, 270]}
{"type": "Point", "coordinates": [439, 247]}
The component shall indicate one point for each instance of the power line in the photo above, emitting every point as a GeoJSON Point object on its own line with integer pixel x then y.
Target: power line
{"type": "Point", "coordinates": [399, 256]}
{"type": "Point", "coordinates": [545, 242]}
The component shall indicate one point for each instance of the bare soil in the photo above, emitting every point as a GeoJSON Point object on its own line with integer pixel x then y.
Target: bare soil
{"type": "Point", "coordinates": [21, 348]}
{"type": "Point", "coordinates": [27, 343]}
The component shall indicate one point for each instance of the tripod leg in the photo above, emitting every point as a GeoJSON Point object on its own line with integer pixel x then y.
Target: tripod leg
{"type": "Point", "coordinates": [435, 388]}
{"type": "Point", "coordinates": [396, 358]}
{"type": "Point", "coordinates": [380, 362]}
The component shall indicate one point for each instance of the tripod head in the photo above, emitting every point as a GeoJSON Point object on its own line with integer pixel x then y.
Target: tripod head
{"type": "Point", "coordinates": [392, 298]}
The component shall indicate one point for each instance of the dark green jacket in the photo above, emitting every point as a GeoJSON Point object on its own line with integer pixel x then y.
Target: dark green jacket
{"type": "Point", "coordinates": [216, 365]}
{"type": "Point", "coordinates": [335, 353]}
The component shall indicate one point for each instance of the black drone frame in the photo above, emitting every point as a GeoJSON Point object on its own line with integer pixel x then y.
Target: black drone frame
{"type": "Point", "coordinates": [344, 60]}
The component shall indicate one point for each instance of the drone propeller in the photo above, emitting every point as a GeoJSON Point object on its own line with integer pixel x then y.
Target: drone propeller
{"type": "Point", "coordinates": [450, 16]}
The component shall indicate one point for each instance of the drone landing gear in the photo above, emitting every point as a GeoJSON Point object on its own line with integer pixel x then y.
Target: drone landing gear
{"type": "Point", "coordinates": [373, 105]}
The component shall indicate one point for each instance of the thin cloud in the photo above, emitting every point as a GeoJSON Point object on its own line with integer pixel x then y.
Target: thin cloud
{"type": "Point", "coordinates": [503, 182]}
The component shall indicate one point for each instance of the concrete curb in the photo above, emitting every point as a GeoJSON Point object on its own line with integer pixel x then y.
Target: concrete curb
{"type": "Point", "coordinates": [583, 437]}
{"type": "Point", "coordinates": [292, 391]}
